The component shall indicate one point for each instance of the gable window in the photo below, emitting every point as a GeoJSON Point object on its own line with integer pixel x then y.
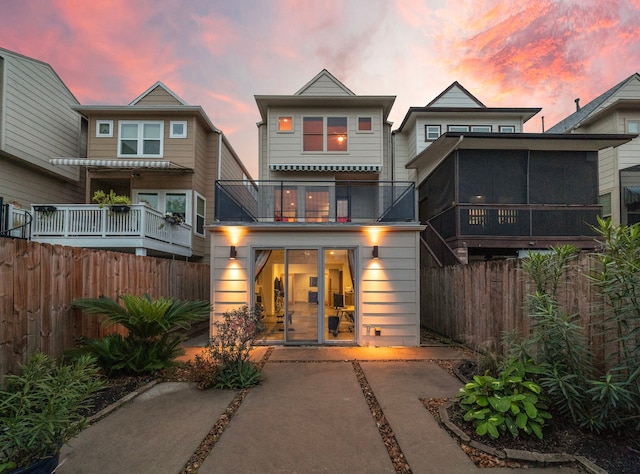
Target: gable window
{"type": "Point", "coordinates": [178, 129]}
{"type": "Point", "coordinates": [364, 124]}
{"type": "Point", "coordinates": [285, 124]}
{"type": "Point", "coordinates": [431, 132]}
{"type": "Point", "coordinates": [104, 128]}
{"type": "Point", "coordinates": [633, 126]}
{"type": "Point", "coordinates": [141, 139]}
{"type": "Point", "coordinates": [507, 129]}
{"type": "Point", "coordinates": [458, 128]}
{"type": "Point", "coordinates": [481, 128]}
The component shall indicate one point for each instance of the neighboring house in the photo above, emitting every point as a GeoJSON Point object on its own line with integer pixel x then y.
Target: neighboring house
{"type": "Point", "coordinates": [615, 111]}
{"type": "Point", "coordinates": [36, 124]}
{"type": "Point", "coordinates": [488, 190]}
{"type": "Point", "coordinates": [162, 153]}
{"type": "Point", "coordinates": [327, 242]}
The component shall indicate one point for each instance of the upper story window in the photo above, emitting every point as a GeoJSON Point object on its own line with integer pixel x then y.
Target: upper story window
{"type": "Point", "coordinates": [141, 139]}
{"type": "Point", "coordinates": [507, 129]}
{"type": "Point", "coordinates": [458, 128]}
{"type": "Point", "coordinates": [178, 129]}
{"type": "Point", "coordinates": [364, 124]}
{"type": "Point", "coordinates": [633, 126]}
{"type": "Point", "coordinates": [431, 132]}
{"type": "Point", "coordinates": [104, 128]}
{"type": "Point", "coordinates": [285, 124]}
{"type": "Point", "coordinates": [324, 134]}
{"type": "Point", "coordinates": [481, 128]}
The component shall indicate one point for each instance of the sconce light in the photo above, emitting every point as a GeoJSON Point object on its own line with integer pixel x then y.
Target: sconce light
{"type": "Point", "coordinates": [377, 331]}
{"type": "Point", "coordinates": [374, 254]}
{"type": "Point", "coordinates": [233, 253]}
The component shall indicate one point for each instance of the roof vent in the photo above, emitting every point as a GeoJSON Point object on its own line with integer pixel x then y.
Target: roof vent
{"type": "Point", "coordinates": [577, 101]}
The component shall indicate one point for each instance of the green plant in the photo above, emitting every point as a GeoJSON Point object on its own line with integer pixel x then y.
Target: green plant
{"type": "Point", "coordinates": [39, 410]}
{"type": "Point", "coordinates": [110, 199]}
{"type": "Point", "coordinates": [152, 342]}
{"type": "Point", "coordinates": [509, 403]}
{"type": "Point", "coordinates": [230, 347]}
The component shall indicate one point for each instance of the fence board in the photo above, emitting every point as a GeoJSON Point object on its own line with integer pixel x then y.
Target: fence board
{"type": "Point", "coordinates": [39, 282]}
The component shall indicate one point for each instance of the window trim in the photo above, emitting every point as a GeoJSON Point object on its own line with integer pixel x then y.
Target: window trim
{"type": "Point", "coordinates": [325, 135]}
{"type": "Point", "coordinates": [358, 130]}
{"type": "Point", "coordinates": [140, 138]}
{"type": "Point", "coordinates": [290, 117]}
{"type": "Point", "coordinates": [196, 196]}
{"type": "Point", "coordinates": [481, 126]}
{"type": "Point", "coordinates": [637, 122]}
{"type": "Point", "coordinates": [426, 132]}
{"type": "Point", "coordinates": [104, 135]}
{"type": "Point", "coordinates": [502, 128]}
{"type": "Point", "coordinates": [458, 131]}
{"type": "Point", "coordinates": [177, 135]}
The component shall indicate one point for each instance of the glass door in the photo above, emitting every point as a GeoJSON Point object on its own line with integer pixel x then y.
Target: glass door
{"type": "Point", "coordinates": [301, 296]}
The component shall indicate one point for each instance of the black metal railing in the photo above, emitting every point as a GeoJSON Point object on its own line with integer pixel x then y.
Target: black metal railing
{"type": "Point", "coordinates": [315, 201]}
{"type": "Point", "coordinates": [15, 223]}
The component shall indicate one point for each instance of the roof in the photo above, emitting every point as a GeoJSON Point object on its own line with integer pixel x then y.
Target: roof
{"type": "Point", "coordinates": [450, 141]}
{"type": "Point", "coordinates": [580, 116]}
{"type": "Point", "coordinates": [455, 85]}
{"type": "Point", "coordinates": [157, 84]}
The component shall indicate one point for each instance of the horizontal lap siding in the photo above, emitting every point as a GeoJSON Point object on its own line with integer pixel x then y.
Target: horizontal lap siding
{"type": "Point", "coordinates": [39, 282]}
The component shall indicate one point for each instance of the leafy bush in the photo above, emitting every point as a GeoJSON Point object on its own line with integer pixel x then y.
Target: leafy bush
{"type": "Point", "coordinates": [231, 345]}
{"type": "Point", "coordinates": [508, 403]}
{"type": "Point", "coordinates": [204, 371]}
{"type": "Point", "coordinates": [152, 343]}
{"type": "Point", "coordinates": [40, 409]}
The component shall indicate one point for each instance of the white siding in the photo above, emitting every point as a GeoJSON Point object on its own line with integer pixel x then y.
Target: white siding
{"type": "Point", "coordinates": [38, 122]}
{"type": "Point", "coordinates": [630, 90]}
{"type": "Point", "coordinates": [387, 289]}
{"type": "Point", "coordinates": [455, 97]}
{"type": "Point", "coordinates": [324, 85]}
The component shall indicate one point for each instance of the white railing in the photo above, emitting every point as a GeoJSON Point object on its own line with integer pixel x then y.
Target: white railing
{"type": "Point", "coordinates": [18, 221]}
{"type": "Point", "coordinates": [89, 220]}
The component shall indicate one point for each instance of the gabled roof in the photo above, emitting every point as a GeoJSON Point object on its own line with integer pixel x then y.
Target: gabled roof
{"type": "Point", "coordinates": [449, 92]}
{"type": "Point", "coordinates": [324, 90]}
{"type": "Point", "coordinates": [152, 88]}
{"type": "Point", "coordinates": [580, 116]}
{"type": "Point", "coordinates": [338, 88]}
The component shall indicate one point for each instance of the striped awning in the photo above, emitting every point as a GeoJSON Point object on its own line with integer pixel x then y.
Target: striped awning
{"type": "Point", "coordinates": [157, 164]}
{"type": "Point", "coordinates": [348, 168]}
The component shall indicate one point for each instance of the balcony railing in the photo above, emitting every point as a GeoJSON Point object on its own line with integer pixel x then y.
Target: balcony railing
{"type": "Point", "coordinates": [315, 201]}
{"type": "Point", "coordinates": [88, 225]}
{"type": "Point", "coordinates": [516, 220]}
{"type": "Point", "coordinates": [14, 222]}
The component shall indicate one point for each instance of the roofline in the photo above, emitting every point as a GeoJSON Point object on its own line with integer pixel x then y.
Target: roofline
{"type": "Point", "coordinates": [618, 104]}
{"type": "Point", "coordinates": [264, 101]}
{"type": "Point", "coordinates": [161, 84]}
{"type": "Point", "coordinates": [317, 76]}
{"type": "Point", "coordinates": [456, 83]}
{"type": "Point", "coordinates": [527, 112]}
{"type": "Point", "coordinates": [13, 53]}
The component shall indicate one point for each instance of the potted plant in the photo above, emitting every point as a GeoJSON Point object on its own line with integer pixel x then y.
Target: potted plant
{"type": "Point", "coordinates": [173, 218]}
{"type": "Point", "coordinates": [40, 411]}
{"type": "Point", "coordinates": [116, 202]}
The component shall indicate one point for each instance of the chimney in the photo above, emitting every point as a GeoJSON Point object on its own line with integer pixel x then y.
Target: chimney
{"type": "Point", "coordinates": [577, 101]}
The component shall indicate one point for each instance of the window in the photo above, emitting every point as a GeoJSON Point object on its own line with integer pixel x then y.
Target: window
{"type": "Point", "coordinates": [104, 128]}
{"type": "Point", "coordinates": [605, 201]}
{"type": "Point", "coordinates": [364, 124]}
{"type": "Point", "coordinates": [285, 124]}
{"type": "Point", "coordinates": [320, 137]}
{"type": "Point", "coordinates": [178, 129]}
{"type": "Point", "coordinates": [481, 128]}
{"type": "Point", "coordinates": [141, 139]}
{"type": "Point", "coordinates": [458, 128]}
{"type": "Point", "coordinates": [169, 201]}
{"type": "Point", "coordinates": [633, 126]}
{"type": "Point", "coordinates": [199, 216]}
{"type": "Point", "coordinates": [507, 129]}
{"type": "Point", "coordinates": [431, 132]}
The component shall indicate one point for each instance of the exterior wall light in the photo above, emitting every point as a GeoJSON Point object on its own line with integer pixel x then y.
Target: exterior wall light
{"type": "Point", "coordinates": [374, 254]}
{"type": "Point", "coordinates": [233, 253]}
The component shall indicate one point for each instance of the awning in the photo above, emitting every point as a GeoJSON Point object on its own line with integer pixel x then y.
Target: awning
{"type": "Point", "coordinates": [347, 168]}
{"type": "Point", "coordinates": [632, 195]}
{"type": "Point", "coordinates": [156, 164]}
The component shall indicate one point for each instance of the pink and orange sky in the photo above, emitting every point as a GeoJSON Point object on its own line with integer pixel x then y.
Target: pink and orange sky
{"type": "Point", "coordinates": [220, 53]}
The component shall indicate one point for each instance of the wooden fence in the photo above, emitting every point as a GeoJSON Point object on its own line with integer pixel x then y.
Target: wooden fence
{"type": "Point", "coordinates": [476, 304]}
{"type": "Point", "coordinates": [39, 282]}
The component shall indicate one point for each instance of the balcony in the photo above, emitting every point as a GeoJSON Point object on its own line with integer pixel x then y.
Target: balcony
{"type": "Point", "coordinates": [512, 224]}
{"type": "Point", "coordinates": [358, 202]}
{"type": "Point", "coordinates": [140, 229]}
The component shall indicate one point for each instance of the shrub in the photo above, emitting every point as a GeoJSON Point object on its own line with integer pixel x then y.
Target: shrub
{"type": "Point", "coordinates": [152, 343]}
{"type": "Point", "coordinates": [509, 403]}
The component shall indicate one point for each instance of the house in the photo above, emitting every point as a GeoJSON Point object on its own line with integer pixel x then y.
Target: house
{"type": "Point", "coordinates": [615, 111]}
{"type": "Point", "coordinates": [35, 127]}
{"type": "Point", "coordinates": [162, 153]}
{"type": "Point", "coordinates": [326, 243]}
{"type": "Point", "coordinates": [486, 189]}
